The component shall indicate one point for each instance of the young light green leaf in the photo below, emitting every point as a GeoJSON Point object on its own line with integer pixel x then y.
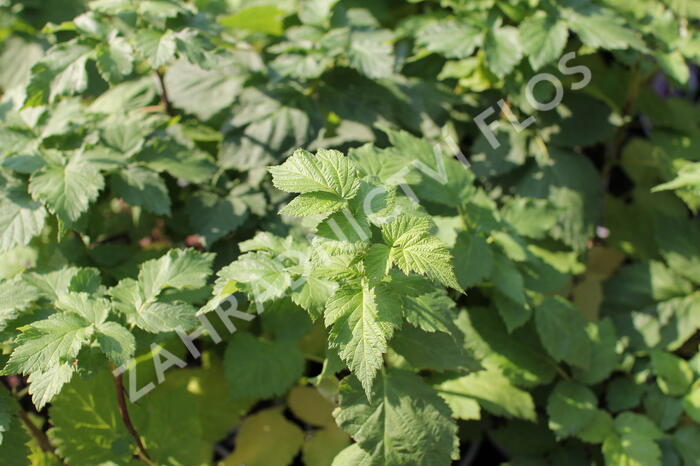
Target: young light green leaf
{"type": "Point", "coordinates": [362, 323]}
{"type": "Point", "coordinates": [328, 171]}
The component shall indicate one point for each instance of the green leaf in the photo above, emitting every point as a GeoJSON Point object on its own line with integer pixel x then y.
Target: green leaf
{"type": "Point", "coordinates": [345, 226]}
{"type": "Point", "coordinates": [179, 269]}
{"type": "Point", "coordinates": [473, 259]}
{"type": "Point", "coordinates": [673, 374]}
{"type": "Point", "coordinates": [257, 368]}
{"type": "Point", "coordinates": [266, 19]}
{"type": "Point", "coordinates": [691, 403]}
{"type": "Point", "coordinates": [7, 408]}
{"type": "Point", "coordinates": [543, 39]}
{"type": "Point", "coordinates": [265, 277]}
{"type": "Point", "coordinates": [181, 161]}
{"type": "Point", "coordinates": [157, 317]}
{"type": "Point", "coordinates": [116, 342]}
{"type": "Point", "coordinates": [571, 407]}
{"type": "Point", "coordinates": [371, 53]}
{"type": "Point", "coordinates": [213, 217]}
{"type": "Point", "coordinates": [156, 47]}
{"type": "Point", "coordinates": [328, 171]}
{"type": "Point", "coordinates": [414, 250]}
{"type": "Point", "coordinates": [434, 350]}
{"type": "Point", "coordinates": [602, 28]}
{"type": "Point", "coordinates": [451, 38]}
{"type": "Point", "coordinates": [562, 330]}
{"type": "Point", "coordinates": [115, 59]}
{"type": "Point", "coordinates": [158, 419]}
{"type": "Point", "coordinates": [363, 320]}
{"type": "Point", "coordinates": [21, 219]}
{"type": "Point", "coordinates": [60, 72]}
{"type": "Point", "coordinates": [203, 93]}
{"type": "Point", "coordinates": [688, 176]}
{"type": "Point", "coordinates": [142, 187]}
{"type": "Point", "coordinates": [493, 392]}
{"type": "Point", "coordinates": [47, 343]}
{"type": "Point", "coordinates": [518, 355]}
{"type": "Point", "coordinates": [503, 49]}
{"type": "Point", "coordinates": [405, 422]}
{"type": "Point", "coordinates": [634, 442]}
{"type": "Point", "coordinates": [664, 410]}
{"type": "Point", "coordinates": [45, 385]}
{"type": "Point", "coordinates": [313, 204]}
{"type": "Point", "coordinates": [685, 441]}
{"type": "Point", "coordinates": [623, 394]}
{"type": "Point", "coordinates": [604, 355]}
{"type": "Point", "coordinates": [67, 190]}
{"type": "Point", "coordinates": [14, 448]}
{"type": "Point", "coordinates": [377, 261]}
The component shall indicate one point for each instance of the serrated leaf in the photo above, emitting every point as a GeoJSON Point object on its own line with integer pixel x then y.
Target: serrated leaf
{"type": "Point", "coordinates": [44, 386]}
{"type": "Point", "coordinates": [327, 171]}
{"type": "Point", "coordinates": [362, 322]}
{"type": "Point", "coordinates": [47, 343]}
{"type": "Point", "coordinates": [60, 72]}
{"type": "Point", "coordinates": [543, 39]}
{"type": "Point", "coordinates": [265, 277]}
{"type": "Point", "coordinates": [405, 422]}
{"type": "Point", "coordinates": [67, 190]}
{"type": "Point", "coordinates": [414, 250]}
{"type": "Point", "coordinates": [116, 342]}
{"type": "Point", "coordinates": [598, 27]}
{"type": "Point", "coordinates": [503, 50]}
{"type": "Point", "coordinates": [156, 47]}
{"type": "Point", "coordinates": [179, 269]}
{"type": "Point", "coordinates": [371, 53]}
{"type": "Point", "coordinates": [451, 38]}
{"type": "Point", "coordinates": [21, 219]}
{"type": "Point", "coordinates": [115, 59]}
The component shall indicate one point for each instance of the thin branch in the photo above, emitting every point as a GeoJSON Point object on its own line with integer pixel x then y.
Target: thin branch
{"type": "Point", "coordinates": [124, 412]}
{"type": "Point", "coordinates": [39, 435]}
{"type": "Point", "coordinates": [165, 100]}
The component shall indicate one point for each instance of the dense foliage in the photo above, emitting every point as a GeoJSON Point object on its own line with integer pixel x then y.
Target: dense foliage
{"type": "Point", "coordinates": [349, 232]}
